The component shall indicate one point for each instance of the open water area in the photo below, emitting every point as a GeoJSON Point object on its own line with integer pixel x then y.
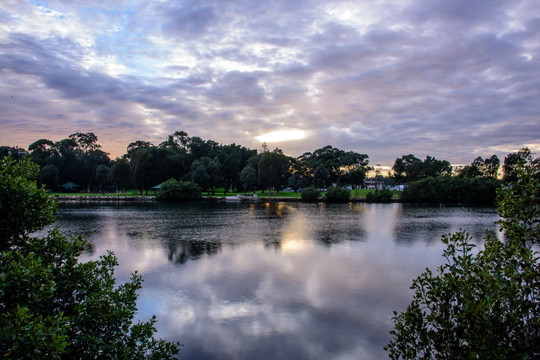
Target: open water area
{"type": "Point", "coordinates": [275, 280]}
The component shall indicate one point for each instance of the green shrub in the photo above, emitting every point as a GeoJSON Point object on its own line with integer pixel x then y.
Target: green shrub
{"type": "Point", "coordinates": [311, 194]}
{"type": "Point", "coordinates": [379, 196]}
{"type": "Point", "coordinates": [337, 194]}
{"type": "Point", "coordinates": [174, 190]}
{"type": "Point", "coordinates": [54, 306]}
{"type": "Point", "coordinates": [480, 304]}
{"type": "Point", "coordinates": [452, 190]}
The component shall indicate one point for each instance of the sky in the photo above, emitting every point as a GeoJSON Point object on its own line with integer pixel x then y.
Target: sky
{"type": "Point", "coordinates": [451, 79]}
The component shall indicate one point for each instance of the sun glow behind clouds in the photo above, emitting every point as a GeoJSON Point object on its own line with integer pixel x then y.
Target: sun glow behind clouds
{"type": "Point", "coordinates": [282, 135]}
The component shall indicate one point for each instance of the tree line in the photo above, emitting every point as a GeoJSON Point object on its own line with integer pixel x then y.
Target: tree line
{"type": "Point", "coordinates": [80, 159]}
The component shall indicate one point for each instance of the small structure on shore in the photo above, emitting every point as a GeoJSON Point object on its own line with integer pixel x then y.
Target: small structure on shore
{"type": "Point", "coordinates": [70, 187]}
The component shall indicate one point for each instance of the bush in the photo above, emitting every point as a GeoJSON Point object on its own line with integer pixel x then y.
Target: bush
{"type": "Point", "coordinates": [483, 305]}
{"type": "Point", "coordinates": [174, 190]}
{"type": "Point", "coordinates": [311, 194]}
{"type": "Point", "coordinates": [54, 306]}
{"type": "Point", "coordinates": [379, 196]}
{"type": "Point", "coordinates": [452, 190]}
{"type": "Point", "coordinates": [337, 194]}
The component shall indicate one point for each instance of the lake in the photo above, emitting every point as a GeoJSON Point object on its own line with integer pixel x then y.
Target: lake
{"type": "Point", "coordinates": [277, 280]}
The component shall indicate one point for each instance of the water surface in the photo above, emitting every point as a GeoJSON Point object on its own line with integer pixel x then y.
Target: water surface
{"type": "Point", "coordinates": [273, 280]}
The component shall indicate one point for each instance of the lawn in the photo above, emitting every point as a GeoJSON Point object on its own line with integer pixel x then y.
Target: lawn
{"type": "Point", "coordinates": [219, 193]}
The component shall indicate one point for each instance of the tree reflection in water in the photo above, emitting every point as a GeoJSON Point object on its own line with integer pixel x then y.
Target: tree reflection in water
{"type": "Point", "coordinates": [273, 280]}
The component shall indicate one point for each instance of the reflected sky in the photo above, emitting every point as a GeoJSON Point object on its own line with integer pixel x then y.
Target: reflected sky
{"type": "Point", "coordinates": [273, 280]}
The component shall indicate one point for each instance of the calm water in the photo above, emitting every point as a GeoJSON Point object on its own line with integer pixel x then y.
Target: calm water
{"type": "Point", "coordinates": [275, 280]}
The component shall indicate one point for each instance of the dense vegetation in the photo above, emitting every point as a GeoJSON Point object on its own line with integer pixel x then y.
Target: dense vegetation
{"type": "Point", "coordinates": [311, 194]}
{"type": "Point", "coordinates": [337, 194]}
{"type": "Point", "coordinates": [482, 305]}
{"type": "Point", "coordinates": [51, 305]}
{"type": "Point", "coordinates": [80, 160]}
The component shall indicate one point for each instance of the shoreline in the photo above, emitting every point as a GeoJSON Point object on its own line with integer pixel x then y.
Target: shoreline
{"type": "Point", "coordinates": [105, 198]}
{"type": "Point", "coordinates": [152, 198]}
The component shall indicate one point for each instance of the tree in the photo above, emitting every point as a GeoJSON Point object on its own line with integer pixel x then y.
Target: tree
{"type": "Point", "coordinates": [273, 170]}
{"type": "Point", "coordinates": [102, 176]}
{"type": "Point", "coordinates": [200, 177]}
{"type": "Point", "coordinates": [119, 174]}
{"type": "Point", "coordinates": [409, 168]}
{"type": "Point", "coordinates": [294, 182]}
{"type": "Point", "coordinates": [52, 305]}
{"type": "Point", "coordinates": [514, 160]}
{"type": "Point", "coordinates": [321, 176]}
{"type": "Point", "coordinates": [480, 167]}
{"type": "Point", "coordinates": [207, 173]}
{"type": "Point", "coordinates": [42, 152]}
{"type": "Point", "coordinates": [452, 190]}
{"type": "Point", "coordinates": [24, 208]}
{"type": "Point", "coordinates": [48, 176]}
{"type": "Point", "coordinates": [248, 177]}
{"type": "Point", "coordinates": [356, 178]}
{"type": "Point", "coordinates": [483, 305]}
{"type": "Point", "coordinates": [143, 168]}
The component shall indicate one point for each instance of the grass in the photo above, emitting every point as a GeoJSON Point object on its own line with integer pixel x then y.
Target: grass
{"type": "Point", "coordinates": [219, 193]}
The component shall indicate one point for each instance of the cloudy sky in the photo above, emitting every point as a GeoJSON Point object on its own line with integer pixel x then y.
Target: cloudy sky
{"type": "Point", "coordinates": [452, 79]}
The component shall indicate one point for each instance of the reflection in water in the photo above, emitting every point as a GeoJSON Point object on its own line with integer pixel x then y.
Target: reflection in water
{"type": "Point", "coordinates": [273, 280]}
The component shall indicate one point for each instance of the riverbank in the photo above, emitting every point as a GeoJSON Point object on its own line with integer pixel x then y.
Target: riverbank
{"type": "Point", "coordinates": [151, 198]}
{"type": "Point", "coordinates": [105, 198]}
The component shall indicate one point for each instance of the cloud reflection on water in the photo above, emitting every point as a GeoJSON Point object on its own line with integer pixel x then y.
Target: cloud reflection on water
{"type": "Point", "coordinates": [272, 280]}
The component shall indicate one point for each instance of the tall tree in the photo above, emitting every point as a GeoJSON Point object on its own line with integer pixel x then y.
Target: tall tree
{"type": "Point", "coordinates": [212, 169]}
{"type": "Point", "coordinates": [409, 168]}
{"type": "Point", "coordinates": [248, 177]}
{"type": "Point", "coordinates": [120, 174]}
{"type": "Point", "coordinates": [42, 152]}
{"type": "Point", "coordinates": [273, 169]}
{"type": "Point", "coordinates": [513, 161]}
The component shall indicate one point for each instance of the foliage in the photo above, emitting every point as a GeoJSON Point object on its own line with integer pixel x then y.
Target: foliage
{"type": "Point", "coordinates": [337, 194]}
{"type": "Point", "coordinates": [321, 176]}
{"type": "Point", "coordinates": [333, 164]}
{"type": "Point", "coordinates": [76, 157]}
{"type": "Point", "coordinates": [273, 169]}
{"type": "Point", "coordinates": [409, 168]}
{"type": "Point", "coordinates": [483, 305]}
{"type": "Point", "coordinates": [48, 176]}
{"type": "Point", "coordinates": [207, 173]}
{"type": "Point", "coordinates": [24, 208]}
{"type": "Point", "coordinates": [519, 205]}
{"type": "Point", "coordinates": [248, 177]}
{"type": "Point", "coordinates": [452, 190]}
{"type": "Point", "coordinates": [514, 161]}
{"type": "Point", "coordinates": [311, 194]}
{"type": "Point", "coordinates": [480, 167]}
{"type": "Point", "coordinates": [52, 305]}
{"type": "Point", "coordinates": [174, 190]}
{"type": "Point", "coordinates": [379, 196]}
{"type": "Point", "coordinates": [356, 178]}
{"type": "Point", "coordinates": [119, 174]}
{"type": "Point", "coordinates": [102, 176]}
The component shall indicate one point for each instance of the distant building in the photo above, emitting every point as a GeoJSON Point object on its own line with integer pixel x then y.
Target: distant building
{"type": "Point", "coordinates": [14, 152]}
{"type": "Point", "coordinates": [373, 184]}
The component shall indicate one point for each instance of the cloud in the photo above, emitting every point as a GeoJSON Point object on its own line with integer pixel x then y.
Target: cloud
{"type": "Point", "coordinates": [383, 78]}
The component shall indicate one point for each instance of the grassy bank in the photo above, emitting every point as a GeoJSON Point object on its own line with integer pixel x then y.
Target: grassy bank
{"type": "Point", "coordinates": [219, 193]}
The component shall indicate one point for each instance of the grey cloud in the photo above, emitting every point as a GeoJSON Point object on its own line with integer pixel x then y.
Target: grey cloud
{"type": "Point", "coordinates": [189, 21]}
{"type": "Point", "coordinates": [427, 76]}
{"type": "Point", "coordinates": [458, 13]}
